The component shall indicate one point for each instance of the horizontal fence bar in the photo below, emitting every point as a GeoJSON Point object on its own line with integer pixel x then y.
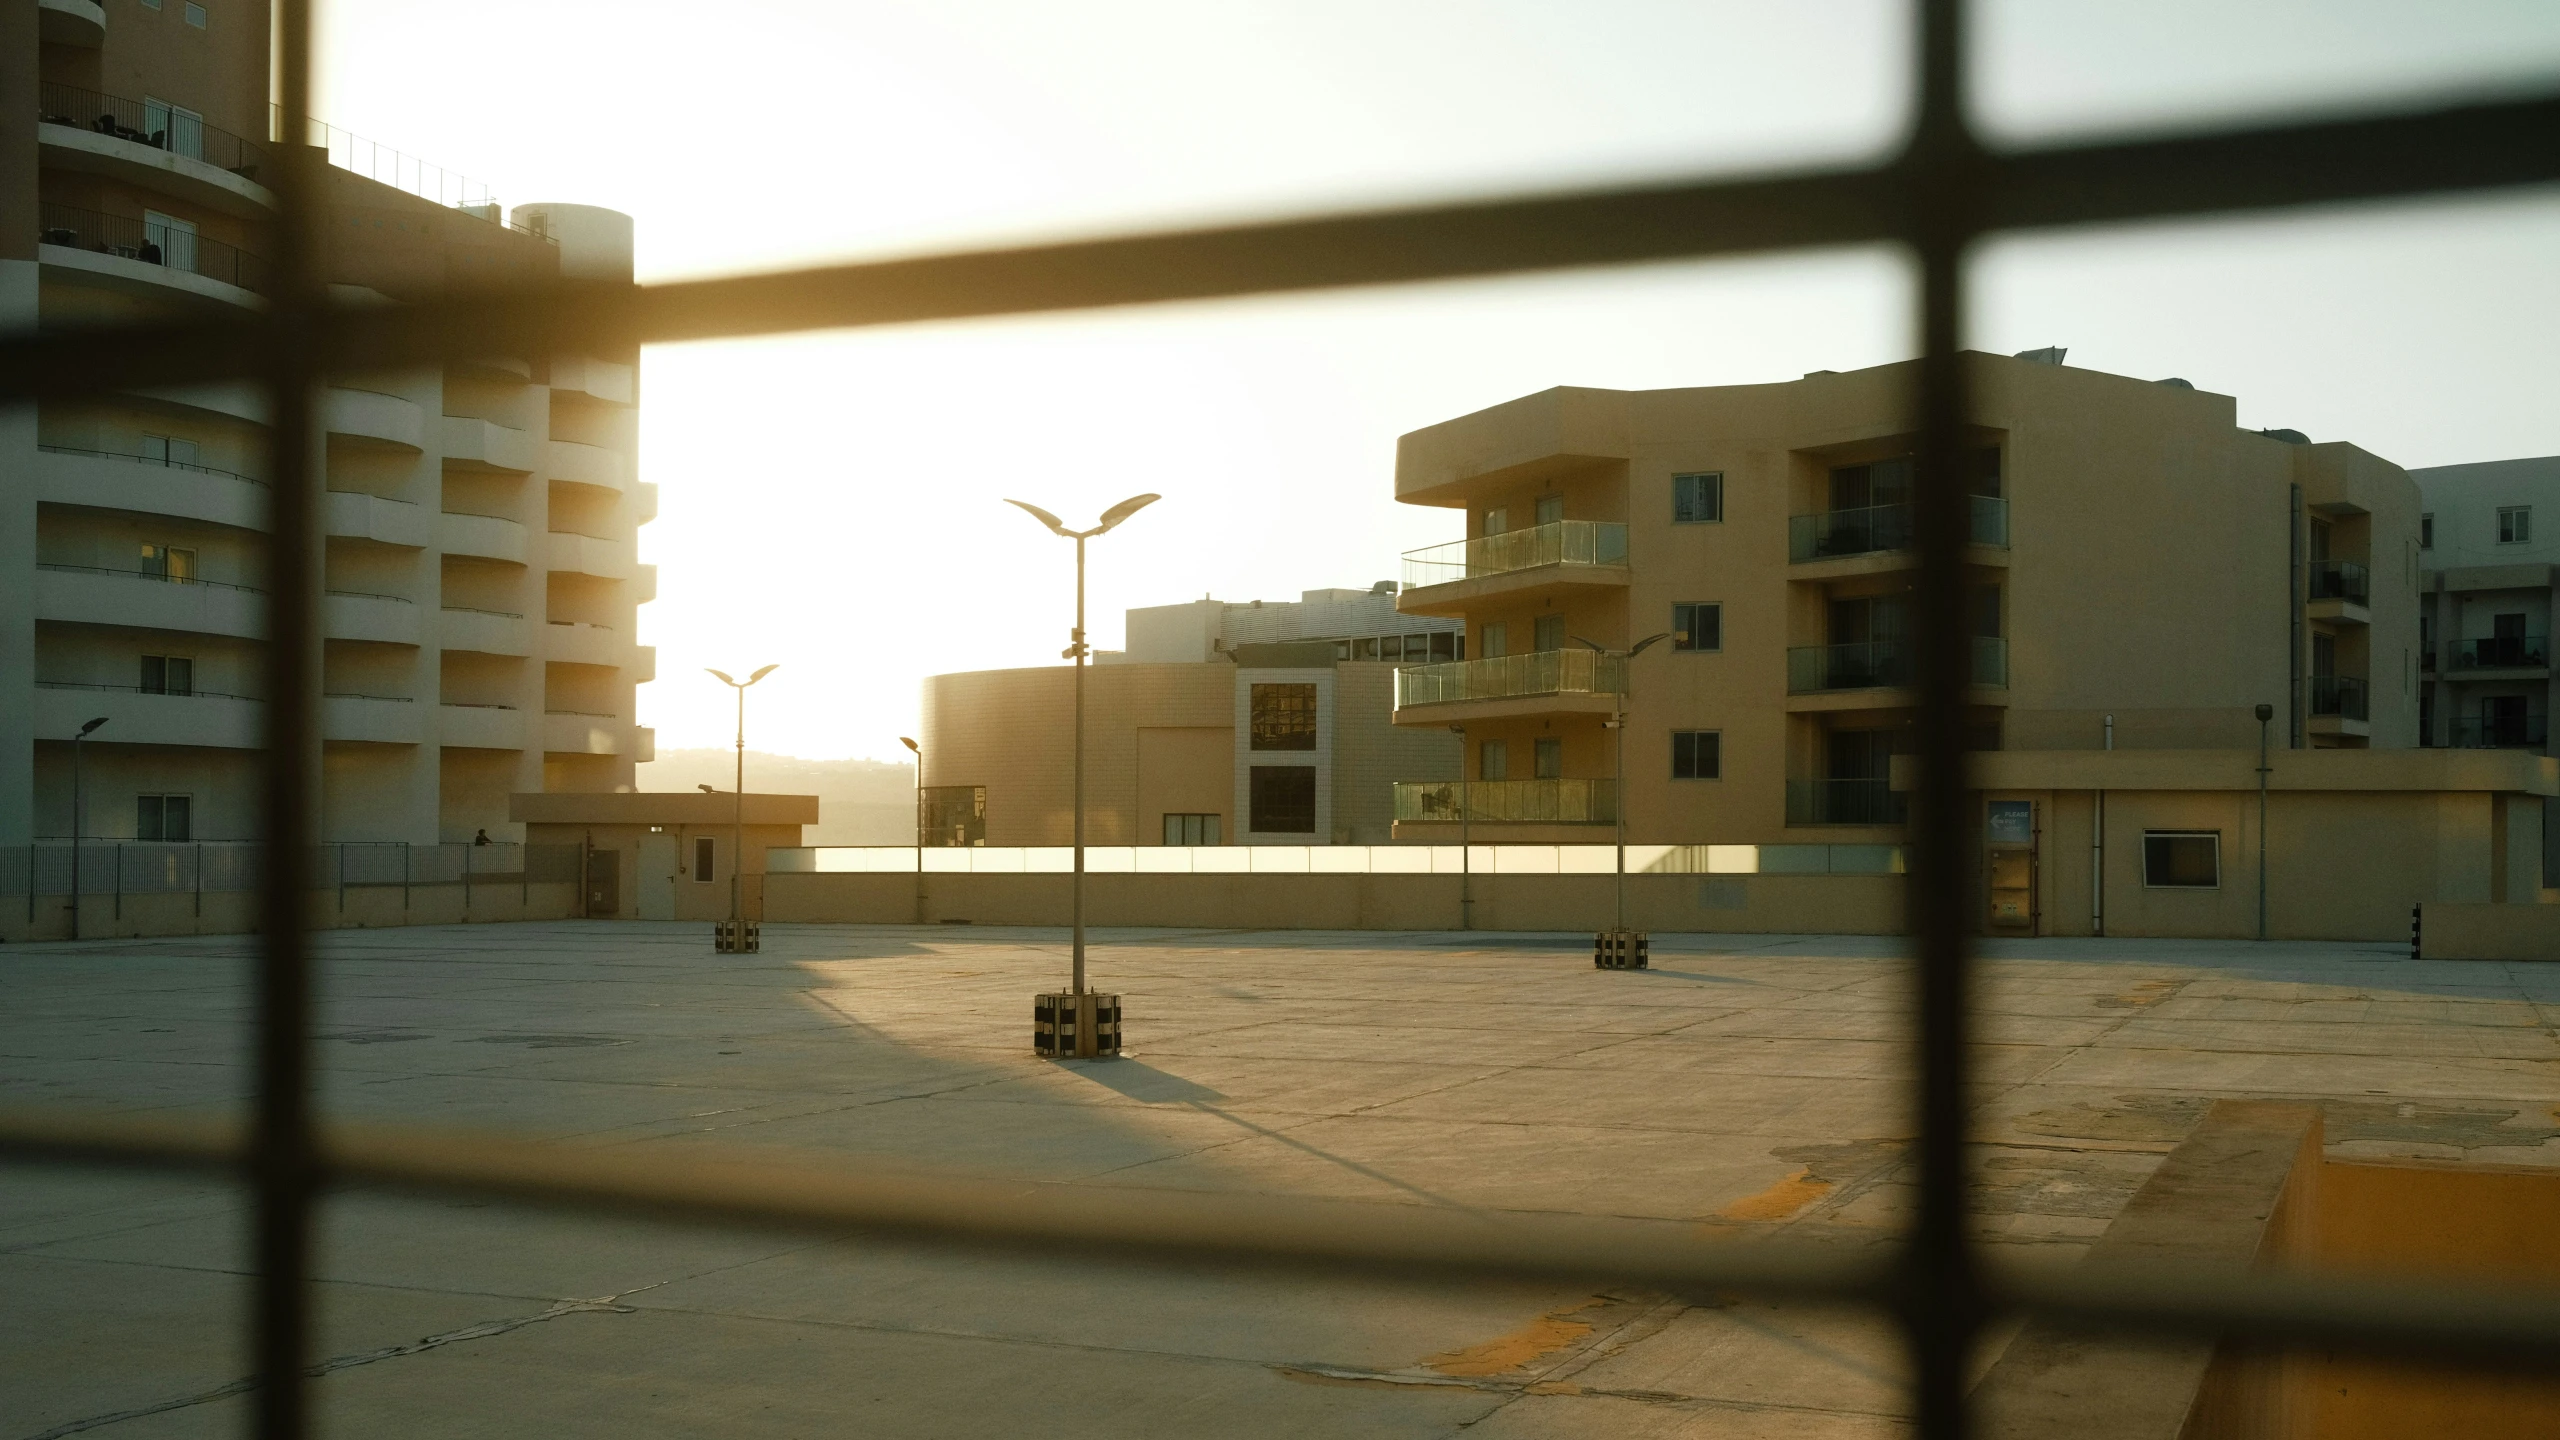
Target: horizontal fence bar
{"type": "Point", "coordinates": [2464, 1324]}
{"type": "Point", "coordinates": [2436, 152]}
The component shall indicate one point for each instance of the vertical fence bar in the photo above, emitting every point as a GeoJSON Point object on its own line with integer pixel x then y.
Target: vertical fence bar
{"type": "Point", "coordinates": [1941, 1310]}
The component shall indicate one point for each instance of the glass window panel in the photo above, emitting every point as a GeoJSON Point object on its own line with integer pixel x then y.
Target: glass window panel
{"type": "Point", "coordinates": [1284, 799]}
{"type": "Point", "coordinates": [2182, 860]}
{"type": "Point", "coordinates": [1283, 718]}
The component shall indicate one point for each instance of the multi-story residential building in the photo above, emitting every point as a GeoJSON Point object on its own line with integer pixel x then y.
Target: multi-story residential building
{"type": "Point", "coordinates": [480, 517]}
{"type": "Point", "coordinates": [2144, 573]}
{"type": "Point", "coordinates": [1220, 724]}
{"type": "Point", "coordinates": [2486, 581]}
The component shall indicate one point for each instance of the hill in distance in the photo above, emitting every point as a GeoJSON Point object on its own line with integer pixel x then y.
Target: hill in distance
{"type": "Point", "coordinates": [860, 802]}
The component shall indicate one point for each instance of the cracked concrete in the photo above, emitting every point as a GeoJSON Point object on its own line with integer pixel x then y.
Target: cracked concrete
{"type": "Point", "coordinates": [1750, 1084]}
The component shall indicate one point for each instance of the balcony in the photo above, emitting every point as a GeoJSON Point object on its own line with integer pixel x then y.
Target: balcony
{"type": "Point", "coordinates": [139, 600]}
{"type": "Point", "coordinates": [2344, 580]}
{"type": "Point", "coordinates": [2338, 696]}
{"type": "Point", "coordinates": [2510, 732]}
{"type": "Point", "coordinates": [490, 537]}
{"type": "Point", "coordinates": [152, 145]}
{"type": "Point", "coordinates": [135, 255]}
{"type": "Point", "coordinates": [575, 643]}
{"type": "Point", "coordinates": [1844, 802]}
{"type": "Point", "coordinates": [485, 632]}
{"type": "Point", "coordinates": [355, 515]}
{"type": "Point", "coordinates": [361, 615]}
{"type": "Point", "coordinates": [1507, 802]}
{"type": "Point", "coordinates": [136, 716]}
{"type": "Point", "coordinates": [573, 553]}
{"type": "Point", "coordinates": [112, 480]}
{"type": "Point", "coordinates": [1875, 529]}
{"type": "Point", "coordinates": [71, 22]}
{"type": "Point", "coordinates": [580, 732]}
{"type": "Point", "coordinates": [480, 727]}
{"type": "Point", "coordinates": [2503, 652]}
{"type": "Point", "coordinates": [370, 719]}
{"type": "Point", "coordinates": [1441, 578]}
{"type": "Point", "coordinates": [1881, 665]}
{"type": "Point", "coordinates": [579, 464]}
{"type": "Point", "coordinates": [469, 443]}
{"type": "Point", "coordinates": [1512, 677]}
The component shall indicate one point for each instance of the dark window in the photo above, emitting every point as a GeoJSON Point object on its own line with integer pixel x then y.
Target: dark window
{"type": "Point", "coordinates": [1548, 632]}
{"type": "Point", "coordinates": [1548, 759]}
{"type": "Point", "coordinates": [1697, 625]}
{"type": "Point", "coordinates": [1697, 754]}
{"type": "Point", "coordinates": [951, 815]}
{"type": "Point", "coordinates": [1984, 474]}
{"type": "Point", "coordinates": [1886, 482]}
{"type": "Point", "coordinates": [2182, 859]}
{"type": "Point", "coordinates": [1494, 760]}
{"type": "Point", "coordinates": [1284, 717]}
{"type": "Point", "coordinates": [2515, 524]}
{"type": "Point", "coordinates": [1192, 830]}
{"type": "Point", "coordinates": [705, 859]}
{"type": "Point", "coordinates": [1986, 610]}
{"type": "Point", "coordinates": [1284, 799]}
{"type": "Point", "coordinates": [1550, 509]}
{"type": "Point", "coordinates": [2426, 532]}
{"type": "Point", "coordinates": [162, 817]}
{"type": "Point", "coordinates": [168, 675]}
{"type": "Point", "coordinates": [1697, 499]}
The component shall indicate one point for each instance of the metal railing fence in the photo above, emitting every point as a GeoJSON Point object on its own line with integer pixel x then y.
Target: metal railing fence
{"type": "Point", "coordinates": [43, 869]}
{"type": "Point", "coordinates": [1558, 542]}
{"type": "Point", "coordinates": [2502, 652]}
{"type": "Point", "coordinates": [1942, 193]}
{"type": "Point", "coordinates": [132, 459]}
{"type": "Point", "coordinates": [147, 122]}
{"type": "Point", "coordinates": [184, 250]}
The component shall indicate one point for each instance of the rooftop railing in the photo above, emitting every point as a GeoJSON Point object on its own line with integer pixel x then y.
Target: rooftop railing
{"type": "Point", "coordinates": [1509, 677]}
{"type": "Point", "coordinates": [2339, 695]}
{"type": "Point", "coordinates": [1555, 801]}
{"type": "Point", "coordinates": [152, 123]}
{"type": "Point", "coordinates": [153, 244]}
{"type": "Point", "coordinates": [407, 173]}
{"type": "Point", "coordinates": [1559, 542]}
{"type": "Point", "coordinates": [2345, 580]}
{"type": "Point", "coordinates": [1882, 664]}
{"type": "Point", "coordinates": [2502, 652]}
{"type": "Point", "coordinates": [1831, 534]}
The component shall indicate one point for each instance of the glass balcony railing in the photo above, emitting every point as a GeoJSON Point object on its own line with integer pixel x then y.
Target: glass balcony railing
{"type": "Point", "coordinates": [2502, 652]}
{"type": "Point", "coordinates": [2339, 695]}
{"type": "Point", "coordinates": [1498, 802]}
{"type": "Point", "coordinates": [2506, 732]}
{"type": "Point", "coordinates": [2341, 580]}
{"type": "Point", "coordinates": [1541, 672]}
{"type": "Point", "coordinates": [1882, 664]}
{"type": "Point", "coordinates": [1844, 802]}
{"type": "Point", "coordinates": [1562, 542]}
{"type": "Point", "coordinates": [1831, 534]}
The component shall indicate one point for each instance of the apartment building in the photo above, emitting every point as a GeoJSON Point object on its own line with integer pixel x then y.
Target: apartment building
{"type": "Point", "coordinates": [2489, 537]}
{"type": "Point", "coordinates": [481, 517]}
{"type": "Point", "coordinates": [1221, 724]}
{"type": "Point", "coordinates": [2143, 574]}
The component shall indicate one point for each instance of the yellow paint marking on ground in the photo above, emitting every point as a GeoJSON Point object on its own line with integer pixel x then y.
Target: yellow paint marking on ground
{"type": "Point", "coordinates": [1530, 1343]}
{"type": "Point", "coordinates": [1778, 1201]}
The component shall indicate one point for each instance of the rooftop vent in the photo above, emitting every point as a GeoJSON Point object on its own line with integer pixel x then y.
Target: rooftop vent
{"type": "Point", "coordinates": [1383, 587]}
{"type": "Point", "coordinates": [2049, 355]}
{"type": "Point", "coordinates": [2290, 437]}
{"type": "Point", "coordinates": [2176, 382]}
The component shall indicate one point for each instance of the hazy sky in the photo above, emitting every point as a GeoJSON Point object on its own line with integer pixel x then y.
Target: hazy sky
{"type": "Point", "coordinates": [834, 503]}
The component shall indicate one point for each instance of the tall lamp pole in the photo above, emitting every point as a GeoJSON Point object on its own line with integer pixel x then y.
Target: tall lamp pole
{"type": "Point", "coordinates": [1618, 724]}
{"type": "Point", "coordinates": [912, 745]}
{"type": "Point", "coordinates": [738, 842]}
{"type": "Point", "coordinates": [75, 826]}
{"type": "Point", "coordinates": [1076, 651]}
{"type": "Point", "coordinates": [2265, 714]}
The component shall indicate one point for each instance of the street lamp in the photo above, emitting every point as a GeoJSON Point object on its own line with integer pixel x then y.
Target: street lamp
{"type": "Point", "coordinates": [1618, 945]}
{"type": "Point", "coordinates": [735, 937]}
{"type": "Point", "coordinates": [2265, 714]}
{"type": "Point", "coordinates": [1087, 1014]}
{"type": "Point", "coordinates": [919, 751]}
{"type": "Point", "coordinates": [75, 825]}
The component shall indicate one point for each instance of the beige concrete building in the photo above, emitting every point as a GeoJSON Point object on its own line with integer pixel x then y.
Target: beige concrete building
{"type": "Point", "coordinates": [1220, 724]}
{"type": "Point", "coordinates": [668, 855]}
{"type": "Point", "coordinates": [481, 518]}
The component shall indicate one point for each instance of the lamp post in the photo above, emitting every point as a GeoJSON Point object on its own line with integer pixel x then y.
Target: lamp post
{"type": "Point", "coordinates": [1076, 650]}
{"type": "Point", "coordinates": [75, 827]}
{"type": "Point", "coordinates": [919, 750]}
{"type": "Point", "coordinates": [2265, 714]}
{"type": "Point", "coordinates": [1618, 724]}
{"type": "Point", "coordinates": [738, 843]}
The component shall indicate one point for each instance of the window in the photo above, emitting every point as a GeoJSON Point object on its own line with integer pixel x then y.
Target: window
{"type": "Point", "coordinates": [1192, 830]}
{"type": "Point", "coordinates": [195, 15]}
{"type": "Point", "coordinates": [2515, 524]}
{"type": "Point", "coordinates": [1497, 640]}
{"type": "Point", "coordinates": [951, 815]}
{"type": "Point", "coordinates": [2426, 532]}
{"type": "Point", "coordinates": [175, 128]}
{"type": "Point", "coordinates": [162, 817]}
{"type": "Point", "coordinates": [1549, 632]}
{"type": "Point", "coordinates": [168, 450]}
{"type": "Point", "coordinates": [1547, 759]}
{"type": "Point", "coordinates": [2182, 859]}
{"type": "Point", "coordinates": [1283, 718]}
{"type": "Point", "coordinates": [168, 675]}
{"type": "Point", "coordinates": [1284, 799]}
{"type": "Point", "coordinates": [1984, 475]}
{"type": "Point", "coordinates": [1697, 499]}
{"type": "Point", "coordinates": [1550, 509]}
{"type": "Point", "coordinates": [168, 562]}
{"type": "Point", "coordinates": [1986, 611]}
{"type": "Point", "coordinates": [169, 240]}
{"type": "Point", "coordinates": [1497, 521]}
{"type": "Point", "coordinates": [1697, 754]}
{"type": "Point", "coordinates": [1493, 760]}
{"type": "Point", "coordinates": [1697, 625]}
{"type": "Point", "coordinates": [705, 859]}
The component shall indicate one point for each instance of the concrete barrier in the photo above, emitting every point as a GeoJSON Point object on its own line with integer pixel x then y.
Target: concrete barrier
{"type": "Point", "coordinates": [2488, 932]}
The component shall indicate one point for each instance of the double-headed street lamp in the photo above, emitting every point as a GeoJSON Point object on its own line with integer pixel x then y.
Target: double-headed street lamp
{"type": "Point", "coordinates": [738, 844]}
{"type": "Point", "coordinates": [1084, 1019]}
{"type": "Point", "coordinates": [1618, 724]}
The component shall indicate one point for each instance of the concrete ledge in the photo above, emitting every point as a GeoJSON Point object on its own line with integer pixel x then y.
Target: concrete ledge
{"type": "Point", "coordinates": [2488, 932]}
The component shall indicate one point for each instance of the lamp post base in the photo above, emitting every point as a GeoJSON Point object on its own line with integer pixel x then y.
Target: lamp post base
{"type": "Point", "coordinates": [1068, 1026]}
{"type": "Point", "coordinates": [737, 937]}
{"type": "Point", "coordinates": [1622, 950]}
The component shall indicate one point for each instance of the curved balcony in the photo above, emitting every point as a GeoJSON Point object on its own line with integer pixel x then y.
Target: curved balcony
{"type": "Point", "coordinates": [577, 644]}
{"type": "Point", "coordinates": [137, 717]}
{"type": "Point", "coordinates": [644, 664]}
{"type": "Point", "coordinates": [579, 732]}
{"type": "Point", "coordinates": [644, 584]}
{"type": "Point", "coordinates": [589, 555]}
{"type": "Point", "coordinates": [369, 418]}
{"type": "Point", "coordinates": [487, 632]}
{"type": "Point", "coordinates": [472, 444]}
{"type": "Point", "coordinates": [1562, 554]}
{"type": "Point", "coordinates": [137, 257]}
{"type": "Point", "coordinates": [96, 595]}
{"type": "Point", "coordinates": [369, 719]}
{"type": "Point", "coordinates": [644, 744]}
{"type": "Point", "coordinates": [152, 146]}
{"type": "Point", "coordinates": [1573, 681]}
{"type": "Point", "coordinates": [233, 399]}
{"type": "Point", "coordinates": [354, 515]}
{"type": "Point", "coordinates": [487, 536]}
{"type": "Point", "coordinates": [481, 727]}
{"type": "Point", "coordinates": [358, 615]}
{"type": "Point", "coordinates": [644, 502]}
{"type": "Point", "coordinates": [136, 484]}
{"type": "Point", "coordinates": [586, 378]}
{"type": "Point", "coordinates": [1507, 802]}
{"type": "Point", "coordinates": [587, 465]}
{"type": "Point", "coordinates": [71, 22]}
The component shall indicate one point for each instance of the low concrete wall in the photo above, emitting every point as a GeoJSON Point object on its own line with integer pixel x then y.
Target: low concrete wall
{"type": "Point", "coordinates": [1751, 904]}
{"type": "Point", "coordinates": [2489, 932]}
{"type": "Point", "coordinates": [232, 912]}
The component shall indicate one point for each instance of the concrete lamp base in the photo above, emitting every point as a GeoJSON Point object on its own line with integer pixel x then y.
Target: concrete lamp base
{"type": "Point", "coordinates": [1622, 950]}
{"type": "Point", "coordinates": [737, 937]}
{"type": "Point", "coordinates": [1067, 1026]}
